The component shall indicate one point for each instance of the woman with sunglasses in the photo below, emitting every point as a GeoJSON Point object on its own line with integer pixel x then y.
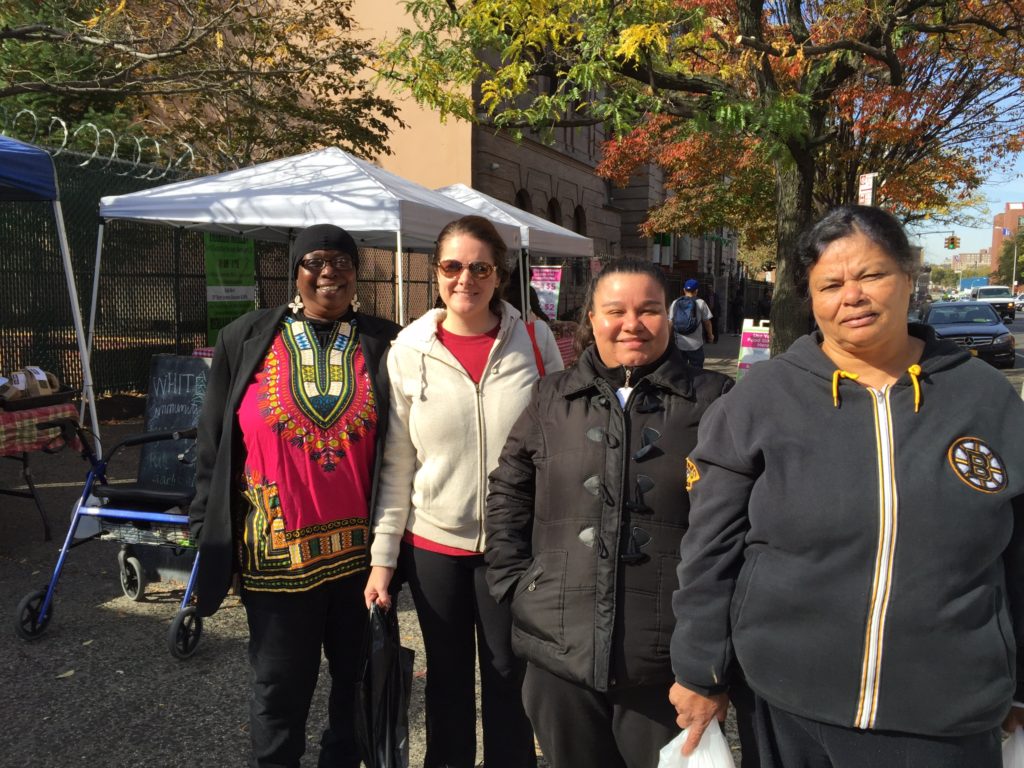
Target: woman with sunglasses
{"type": "Point", "coordinates": [291, 429]}
{"type": "Point", "coordinates": [584, 518]}
{"type": "Point", "coordinates": [459, 378]}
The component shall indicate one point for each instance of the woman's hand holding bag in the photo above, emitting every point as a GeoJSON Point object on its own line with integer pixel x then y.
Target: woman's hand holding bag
{"type": "Point", "coordinates": [712, 751]}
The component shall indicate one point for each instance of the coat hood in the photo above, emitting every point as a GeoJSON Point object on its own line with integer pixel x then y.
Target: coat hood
{"type": "Point", "coordinates": [421, 334]}
{"type": "Point", "coordinates": [938, 354]}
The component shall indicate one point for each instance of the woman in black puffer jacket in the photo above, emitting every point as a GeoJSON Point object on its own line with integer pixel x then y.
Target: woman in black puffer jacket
{"type": "Point", "coordinates": [584, 517]}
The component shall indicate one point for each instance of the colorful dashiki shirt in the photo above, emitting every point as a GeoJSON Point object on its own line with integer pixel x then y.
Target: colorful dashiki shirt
{"type": "Point", "coordinates": [308, 423]}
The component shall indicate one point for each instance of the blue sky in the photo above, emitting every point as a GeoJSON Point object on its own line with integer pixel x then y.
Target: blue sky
{"type": "Point", "coordinates": [1007, 187]}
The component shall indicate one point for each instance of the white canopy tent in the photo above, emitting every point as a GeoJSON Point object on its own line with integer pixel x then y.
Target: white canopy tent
{"type": "Point", "coordinates": [538, 237]}
{"type": "Point", "coordinates": [274, 200]}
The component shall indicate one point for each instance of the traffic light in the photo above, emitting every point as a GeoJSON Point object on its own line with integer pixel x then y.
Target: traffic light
{"type": "Point", "coordinates": [948, 243]}
{"type": "Point", "coordinates": [954, 242]}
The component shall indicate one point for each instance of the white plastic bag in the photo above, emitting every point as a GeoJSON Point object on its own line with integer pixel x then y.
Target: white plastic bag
{"type": "Point", "coordinates": [1013, 750]}
{"type": "Point", "coordinates": [712, 752]}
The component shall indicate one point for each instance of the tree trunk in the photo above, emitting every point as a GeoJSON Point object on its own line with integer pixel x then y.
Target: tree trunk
{"type": "Point", "coordinates": [793, 184]}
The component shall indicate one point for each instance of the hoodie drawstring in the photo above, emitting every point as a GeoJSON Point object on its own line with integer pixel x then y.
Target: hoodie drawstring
{"type": "Point", "coordinates": [838, 374]}
{"type": "Point", "coordinates": [915, 372]}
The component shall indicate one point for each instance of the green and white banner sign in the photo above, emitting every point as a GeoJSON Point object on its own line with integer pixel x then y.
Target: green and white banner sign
{"type": "Point", "coordinates": [230, 281]}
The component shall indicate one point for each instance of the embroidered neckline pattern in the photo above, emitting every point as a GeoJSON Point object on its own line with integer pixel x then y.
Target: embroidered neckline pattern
{"type": "Point", "coordinates": [311, 395]}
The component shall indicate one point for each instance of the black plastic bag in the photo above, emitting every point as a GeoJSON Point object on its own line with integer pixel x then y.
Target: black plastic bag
{"type": "Point", "coordinates": [382, 693]}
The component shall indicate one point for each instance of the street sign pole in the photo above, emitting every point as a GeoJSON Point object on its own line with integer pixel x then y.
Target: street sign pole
{"type": "Point", "coordinates": [866, 189]}
{"type": "Point", "coordinates": [1013, 279]}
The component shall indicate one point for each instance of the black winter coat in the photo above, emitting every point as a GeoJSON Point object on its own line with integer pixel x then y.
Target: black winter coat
{"type": "Point", "coordinates": [585, 513]}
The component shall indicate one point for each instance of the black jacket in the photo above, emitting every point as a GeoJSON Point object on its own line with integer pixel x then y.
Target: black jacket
{"type": "Point", "coordinates": [585, 513]}
{"type": "Point", "coordinates": [241, 347]}
{"type": "Point", "coordinates": [862, 554]}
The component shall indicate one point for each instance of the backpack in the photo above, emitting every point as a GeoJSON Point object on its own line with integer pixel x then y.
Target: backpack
{"type": "Point", "coordinates": [684, 315]}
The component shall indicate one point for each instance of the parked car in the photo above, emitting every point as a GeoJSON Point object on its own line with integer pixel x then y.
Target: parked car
{"type": "Point", "coordinates": [1019, 302]}
{"type": "Point", "coordinates": [999, 296]}
{"type": "Point", "coordinates": [976, 326]}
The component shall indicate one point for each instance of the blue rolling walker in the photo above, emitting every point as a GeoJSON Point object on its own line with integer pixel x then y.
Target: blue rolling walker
{"type": "Point", "coordinates": [133, 515]}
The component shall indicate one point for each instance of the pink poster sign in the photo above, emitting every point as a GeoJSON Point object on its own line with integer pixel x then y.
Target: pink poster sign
{"type": "Point", "coordinates": [547, 281]}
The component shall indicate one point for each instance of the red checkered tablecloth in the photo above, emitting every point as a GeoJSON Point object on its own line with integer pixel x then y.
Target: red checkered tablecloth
{"type": "Point", "coordinates": [566, 350]}
{"type": "Point", "coordinates": [18, 431]}
{"type": "Point", "coordinates": [565, 334]}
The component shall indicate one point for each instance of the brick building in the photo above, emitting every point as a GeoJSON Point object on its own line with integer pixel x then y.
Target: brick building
{"type": "Point", "coordinates": [1010, 220]}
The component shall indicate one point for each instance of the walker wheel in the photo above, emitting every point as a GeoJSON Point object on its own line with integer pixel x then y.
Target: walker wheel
{"type": "Point", "coordinates": [133, 578]}
{"type": "Point", "coordinates": [28, 624]}
{"type": "Point", "coordinates": [183, 636]}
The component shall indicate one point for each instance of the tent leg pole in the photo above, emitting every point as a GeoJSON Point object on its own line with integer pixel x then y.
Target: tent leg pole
{"type": "Point", "coordinates": [524, 282]}
{"type": "Point", "coordinates": [399, 281]}
{"type": "Point", "coordinates": [95, 288]}
{"type": "Point", "coordinates": [88, 394]}
{"type": "Point", "coordinates": [92, 322]}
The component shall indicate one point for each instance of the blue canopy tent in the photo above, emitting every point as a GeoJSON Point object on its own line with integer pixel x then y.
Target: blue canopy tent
{"type": "Point", "coordinates": [27, 174]}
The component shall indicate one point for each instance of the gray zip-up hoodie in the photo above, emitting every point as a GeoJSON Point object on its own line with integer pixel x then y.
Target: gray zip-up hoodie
{"type": "Point", "coordinates": [861, 552]}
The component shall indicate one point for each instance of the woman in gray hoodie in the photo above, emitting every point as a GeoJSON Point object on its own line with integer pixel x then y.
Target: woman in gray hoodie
{"type": "Point", "coordinates": [856, 533]}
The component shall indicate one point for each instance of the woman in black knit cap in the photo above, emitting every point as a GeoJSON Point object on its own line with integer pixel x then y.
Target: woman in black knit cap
{"type": "Point", "coordinates": [292, 426]}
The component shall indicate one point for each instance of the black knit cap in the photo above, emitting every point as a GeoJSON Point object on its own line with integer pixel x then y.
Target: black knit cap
{"type": "Point", "coordinates": [323, 237]}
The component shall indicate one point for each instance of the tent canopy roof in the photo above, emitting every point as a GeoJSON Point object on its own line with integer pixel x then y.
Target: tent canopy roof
{"type": "Point", "coordinates": [26, 172]}
{"type": "Point", "coordinates": [539, 236]}
{"type": "Point", "coordinates": [274, 199]}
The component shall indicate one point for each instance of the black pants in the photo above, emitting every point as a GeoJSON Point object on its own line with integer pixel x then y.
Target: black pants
{"type": "Point", "coordinates": [459, 618]}
{"type": "Point", "coordinates": [286, 634]}
{"type": "Point", "coordinates": [788, 741]}
{"type": "Point", "coordinates": [695, 357]}
{"type": "Point", "coordinates": [578, 727]}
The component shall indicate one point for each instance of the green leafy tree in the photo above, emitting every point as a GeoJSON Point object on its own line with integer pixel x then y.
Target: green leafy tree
{"type": "Point", "coordinates": [240, 80]}
{"type": "Point", "coordinates": [944, 278]}
{"type": "Point", "coordinates": [30, 68]}
{"type": "Point", "coordinates": [809, 93]}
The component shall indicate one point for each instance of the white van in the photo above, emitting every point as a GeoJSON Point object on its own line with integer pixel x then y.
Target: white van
{"type": "Point", "coordinates": [999, 296]}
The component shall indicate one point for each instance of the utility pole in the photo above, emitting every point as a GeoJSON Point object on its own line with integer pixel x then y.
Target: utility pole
{"type": "Point", "coordinates": [1013, 279]}
{"type": "Point", "coordinates": [1013, 269]}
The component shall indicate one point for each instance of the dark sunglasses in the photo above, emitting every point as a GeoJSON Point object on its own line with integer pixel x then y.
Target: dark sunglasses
{"type": "Point", "coordinates": [340, 263]}
{"type": "Point", "coordinates": [453, 268]}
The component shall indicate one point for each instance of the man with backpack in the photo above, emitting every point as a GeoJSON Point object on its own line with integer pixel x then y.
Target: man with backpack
{"type": "Point", "coordinates": [691, 319]}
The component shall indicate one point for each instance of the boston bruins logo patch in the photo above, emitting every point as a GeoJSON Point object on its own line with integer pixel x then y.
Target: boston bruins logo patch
{"type": "Point", "coordinates": [692, 475]}
{"type": "Point", "coordinates": [977, 465]}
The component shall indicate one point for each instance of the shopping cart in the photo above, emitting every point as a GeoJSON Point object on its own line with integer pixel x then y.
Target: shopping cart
{"type": "Point", "coordinates": [134, 515]}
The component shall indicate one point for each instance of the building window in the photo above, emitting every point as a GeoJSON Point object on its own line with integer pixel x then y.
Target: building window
{"type": "Point", "coordinates": [523, 201]}
{"type": "Point", "coordinates": [554, 211]}
{"type": "Point", "coordinates": [579, 220]}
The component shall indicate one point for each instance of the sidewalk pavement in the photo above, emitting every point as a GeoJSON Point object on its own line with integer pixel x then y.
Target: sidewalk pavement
{"type": "Point", "coordinates": [722, 355]}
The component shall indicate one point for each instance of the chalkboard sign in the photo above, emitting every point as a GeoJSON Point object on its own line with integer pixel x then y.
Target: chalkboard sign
{"type": "Point", "coordinates": [177, 385]}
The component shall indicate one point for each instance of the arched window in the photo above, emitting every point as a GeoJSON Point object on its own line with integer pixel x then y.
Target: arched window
{"type": "Point", "coordinates": [579, 220]}
{"type": "Point", "coordinates": [554, 211]}
{"type": "Point", "coordinates": [523, 201]}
